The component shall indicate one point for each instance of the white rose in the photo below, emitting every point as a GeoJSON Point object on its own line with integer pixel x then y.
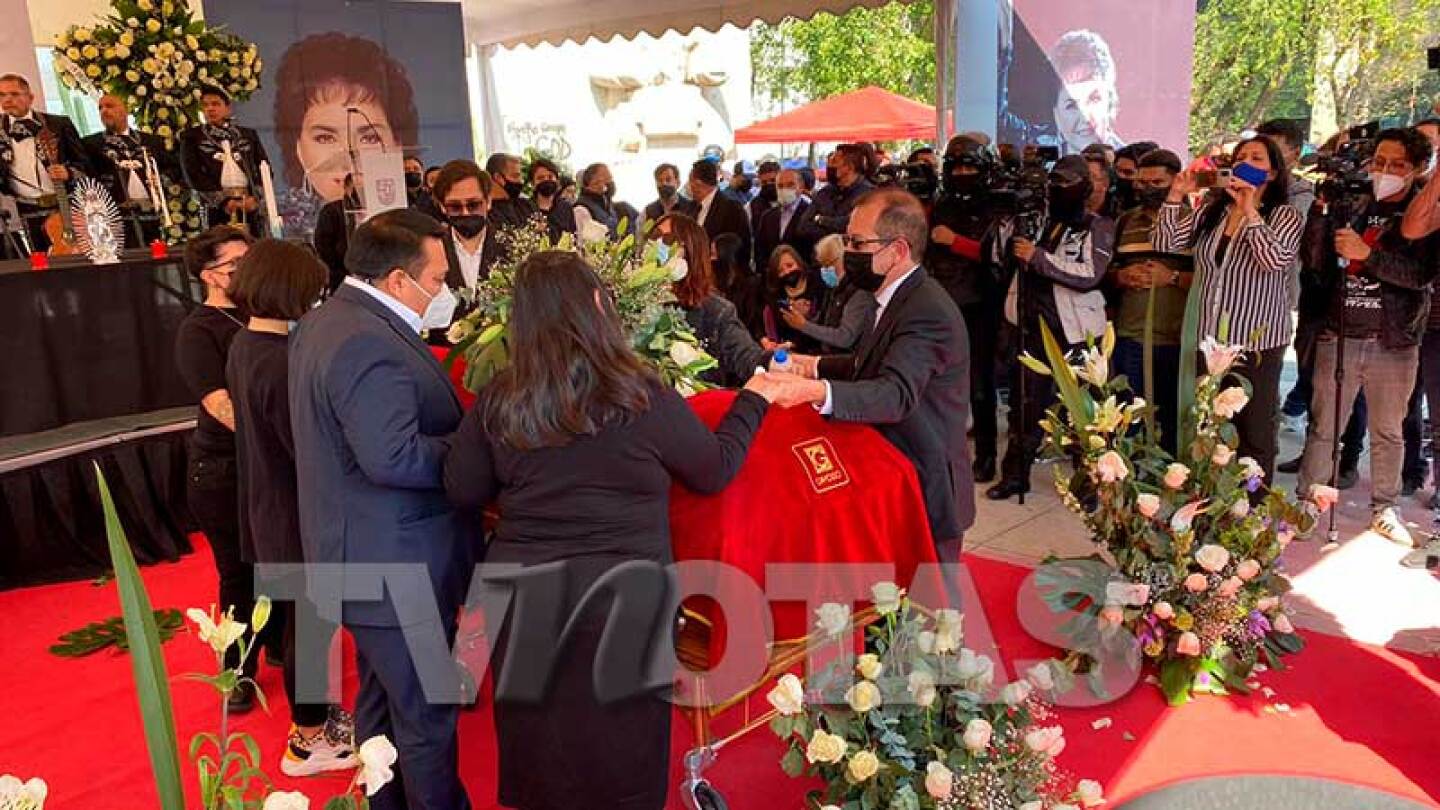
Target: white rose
{"type": "Point", "coordinates": [286, 800]}
{"type": "Point", "coordinates": [869, 666]}
{"type": "Point", "coordinates": [833, 618]}
{"type": "Point", "coordinates": [1089, 793]}
{"type": "Point", "coordinates": [1134, 594]}
{"type": "Point", "coordinates": [977, 735]}
{"type": "Point", "coordinates": [1111, 468]}
{"type": "Point", "coordinates": [1032, 806]}
{"type": "Point", "coordinates": [1230, 401]}
{"type": "Point", "coordinates": [1240, 509]}
{"type": "Point", "coordinates": [133, 23]}
{"type": "Point", "coordinates": [939, 780]}
{"type": "Point", "coordinates": [826, 748]}
{"type": "Point", "coordinates": [1148, 504]}
{"type": "Point", "coordinates": [863, 697]}
{"type": "Point", "coordinates": [678, 267]}
{"type": "Point", "coordinates": [887, 597]}
{"type": "Point", "coordinates": [788, 696]}
{"type": "Point", "coordinates": [593, 231]}
{"type": "Point", "coordinates": [377, 757]}
{"type": "Point", "coordinates": [1222, 455]}
{"type": "Point", "coordinates": [1016, 693]}
{"type": "Point", "coordinates": [862, 766]}
{"type": "Point", "coordinates": [922, 688]}
{"type": "Point", "coordinates": [926, 642]}
{"type": "Point", "coordinates": [684, 353]}
{"type": "Point", "coordinates": [1176, 475]}
{"type": "Point", "coordinates": [948, 634]}
{"type": "Point", "coordinates": [977, 669]}
{"type": "Point", "coordinates": [1041, 676]}
{"type": "Point", "coordinates": [1212, 557]}
{"type": "Point", "coordinates": [1048, 741]}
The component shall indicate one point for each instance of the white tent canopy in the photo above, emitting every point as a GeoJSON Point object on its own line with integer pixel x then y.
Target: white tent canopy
{"type": "Point", "coordinates": [532, 22]}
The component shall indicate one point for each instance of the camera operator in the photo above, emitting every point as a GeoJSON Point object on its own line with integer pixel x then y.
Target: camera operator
{"type": "Point", "coordinates": [1244, 240]}
{"type": "Point", "coordinates": [964, 257]}
{"type": "Point", "coordinates": [1154, 287]}
{"type": "Point", "coordinates": [846, 181]}
{"type": "Point", "coordinates": [1379, 307]}
{"type": "Point", "coordinates": [1060, 276]}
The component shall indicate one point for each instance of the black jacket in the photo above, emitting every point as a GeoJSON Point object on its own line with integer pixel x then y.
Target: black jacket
{"type": "Point", "coordinates": [560, 219]}
{"type": "Point", "coordinates": [768, 235]}
{"type": "Point", "coordinates": [830, 210]}
{"type": "Point", "coordinates": [725, 338]}
{"type": "Point", "coordinates": [727, 216]}
{"type": "Point", "coordinates": [67, 141]}
{"type": "Point", "coordinates": [512, 212]}
{"type": "Point", "coordinates": [968, 281]}
{"type": "Point", "coordinates": [104, 158]}
{"type": "Point", "coordinates": [1404, 269]}
{"type": "Point", "coordinates": [656, 209]}
{"type": "Point", "coordinates": [202, 170]}
{"type": "Point", "coordinates": [332, 238]}
{"type": "Point", "coordinates": [910, 378]}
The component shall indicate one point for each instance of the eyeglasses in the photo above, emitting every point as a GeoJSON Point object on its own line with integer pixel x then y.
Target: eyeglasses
{"type": "Point", "coordinates": [465, 207]}
{"type": "Point", "coordinates": [856, 242]}
{"type": "Point", "coordinates": [1391, 166]}
{"type": "Point", "coordinates": [216, 268]}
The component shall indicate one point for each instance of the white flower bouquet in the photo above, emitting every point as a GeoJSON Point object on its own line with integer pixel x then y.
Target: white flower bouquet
{"type": "Point", "coordinates": [638, 276]}
{"type": "Point", "coordinates": [917, 721]}
{"type": "Point", "coordinates": [1192, 579]}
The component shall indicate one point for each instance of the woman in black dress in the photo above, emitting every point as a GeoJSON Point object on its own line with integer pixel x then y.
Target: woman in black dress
{"type": "Point", "coordinates": [201, 345]}
{"type": "Point", "coordinates": [714, 319]}
{"type": "Point", "coordinates": [278, 283]}
{"type": "Point", "coordinates": [577, 443]}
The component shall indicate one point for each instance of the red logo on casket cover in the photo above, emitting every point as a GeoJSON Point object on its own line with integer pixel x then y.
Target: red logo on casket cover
{"type": "Point", "coordinates": [821, 464]}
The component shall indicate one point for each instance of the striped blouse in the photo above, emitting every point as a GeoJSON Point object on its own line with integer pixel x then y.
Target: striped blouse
{"type": "Point", "coordinates": [1248, 287]}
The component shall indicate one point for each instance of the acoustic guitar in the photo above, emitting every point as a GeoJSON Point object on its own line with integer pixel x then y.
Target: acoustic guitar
{"type": "Point", "coordinates": [58, 227]}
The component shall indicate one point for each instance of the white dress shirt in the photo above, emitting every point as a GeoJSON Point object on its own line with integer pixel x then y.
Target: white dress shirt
{"type": "Point", "coordinates": [407, 314]}
{"type": "Point", "coordinates": [470, 262]}
{"type": "Point", "coordinates": [882, 301]}
{"type": "Point", "coordinates": [28, 177]}
{"type": "Point", "coordinates": [787, 212]}
{"type": "Point", "coordinates": [705, 206]}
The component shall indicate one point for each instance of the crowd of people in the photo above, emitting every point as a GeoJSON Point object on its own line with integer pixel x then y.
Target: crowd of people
{"type": "Point", "coordinates": [330, 434]}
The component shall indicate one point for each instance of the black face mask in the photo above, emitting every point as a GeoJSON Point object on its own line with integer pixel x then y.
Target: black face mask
{"type": "Point", "coordinates": [667, 191]}
{"type": "Point", "coordinates": [1125, 192]}
{"type": "Point", "coordinates": [514, 190]}
{"type": "Point", "coordinates": [469, 226]}
{"type": "Point", "coordinates": [832, 175]}
{"type": "Point", "coordinates": [769, 192]}
{"type": "Point", "coordinates": [963, 185]}
{"type": "Point", "coordinates": [413, 180]}
{"type": "Point", "coordinates": [547, 188]}
{"type": "Point", "coordinates": [1151, 198]}
{"type": "Point", "coordinates": [860, 271]}
{"type": "Point", "coordinates": [1067, 203]}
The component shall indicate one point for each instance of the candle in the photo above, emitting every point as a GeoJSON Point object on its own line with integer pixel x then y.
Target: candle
{"type": "Point", "coordinates": [272, 211]}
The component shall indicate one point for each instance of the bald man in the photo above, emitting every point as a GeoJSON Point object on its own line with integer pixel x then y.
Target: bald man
{"type": "Point", "coordinates": [117, 159]}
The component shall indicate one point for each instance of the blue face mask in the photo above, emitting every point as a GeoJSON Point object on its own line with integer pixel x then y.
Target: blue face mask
{"type": "Point", "coordinates": [830, 277]}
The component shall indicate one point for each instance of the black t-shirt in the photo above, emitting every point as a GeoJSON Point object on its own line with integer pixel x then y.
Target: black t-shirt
{"type": "Point", "coordinates": [269, 509]}
{"type": "Point", "coordinates": [201, 345]}
{"type": "Point", "coordinates": [1364, 312]}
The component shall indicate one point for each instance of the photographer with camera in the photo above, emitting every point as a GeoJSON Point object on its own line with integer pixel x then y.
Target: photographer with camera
{"type": "Point", "coordinates": [1244, 239]}
{"type": "Point", "coordinates": [1057, 281]}
{"type": "Point", "coordinates": [846, 181]}
{"type": "Point", "coordinates": [1380, 302]}
{"type": "Point", "coordinates": [964, 256]}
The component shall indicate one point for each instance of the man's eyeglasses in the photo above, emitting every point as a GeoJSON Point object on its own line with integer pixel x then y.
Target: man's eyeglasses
{"type": "Point", "coordinates": [856, 242]}
{"type": "Point", "coordinates": [1391, 166]}
{"type": "Point", "coordinates": [465, 207]}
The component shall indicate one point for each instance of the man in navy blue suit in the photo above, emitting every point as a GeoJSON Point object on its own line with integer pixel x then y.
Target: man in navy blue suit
{"type": "Point", "coordinates": [371, 410]}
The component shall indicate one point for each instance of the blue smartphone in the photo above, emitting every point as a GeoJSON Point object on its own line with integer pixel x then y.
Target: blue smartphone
{"type": "Point", "coordinates": [1254, 175]}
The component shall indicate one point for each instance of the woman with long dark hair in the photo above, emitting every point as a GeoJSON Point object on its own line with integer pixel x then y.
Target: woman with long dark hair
{"type": "Point", "coordinates": [578, 442]}
{"type": "Point", "coordinates": [713, 317]}
{"type": "Point", "coordinates": [794, 295]}
{"type": "Point", "coordinates": [1245, 238]}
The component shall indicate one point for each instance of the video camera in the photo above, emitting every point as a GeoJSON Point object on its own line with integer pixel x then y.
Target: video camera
{"type": "Point", "coordinates": [1347, 173]}
{"type": "Point", "coordinates": [918, 178]}
{"type": "Point", "coordinates": [1018, 186]}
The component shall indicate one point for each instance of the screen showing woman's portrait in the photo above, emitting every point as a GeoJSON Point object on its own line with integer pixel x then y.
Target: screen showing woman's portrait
{"type": "Point", "coordinates": [335, 95]}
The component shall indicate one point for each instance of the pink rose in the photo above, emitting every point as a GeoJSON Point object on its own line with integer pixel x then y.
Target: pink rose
{"type": "Point", "coordinates": [1248, 570]}
{"type": "Point", "coordinates": [1267, 604]}
{"type": "Point", "coordinates": [1176, 475]}
{"type": "Point", "coordinates": [1112, 616]}
{"type": "Point", "coordinates": [1189, 644]}
{"type": "Point", "coordinates": [1148, 504]}
{"type": "Point", "coordinates": [1222, 455]}
{"type": "Point", "coordinates": [1230, 587]}
{"type": "Point", "coordinates": [1196, 583]}
{"type": "Point", "coordinates": [1049, 741]}
{"type": "Point", "coordinates": [1164, 612]}
{"type": "Point", "coordinates": [1111, 468]}
{"type": "Point", "coordinates": [1230, 401]}
{"type": "Point", "coordinates": [1323, 497]}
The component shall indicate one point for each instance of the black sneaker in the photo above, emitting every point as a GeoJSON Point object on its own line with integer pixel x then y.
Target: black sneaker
{"type": "Point", "coordinates": [1292, 466]}
{"type": "Point", "coordinates": [1410, 486]}
{"type": "Point", "coordinates": [242, 700]}
{"type": "Point", "coordinates": [1349, 477]}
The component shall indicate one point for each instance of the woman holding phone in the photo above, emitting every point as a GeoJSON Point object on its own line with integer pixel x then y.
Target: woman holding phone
{"type": "Point", "coordinates": [1244, 237]}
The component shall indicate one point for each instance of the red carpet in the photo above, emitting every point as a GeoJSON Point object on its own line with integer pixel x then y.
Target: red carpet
{"type": "Point", "coordinates": [1359, 714]}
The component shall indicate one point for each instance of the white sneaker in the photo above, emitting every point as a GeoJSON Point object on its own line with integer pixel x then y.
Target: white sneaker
{"type": "Point", "coordinates": [1388, 525]}
{"type": "Point", "coordinates": [307, 756]}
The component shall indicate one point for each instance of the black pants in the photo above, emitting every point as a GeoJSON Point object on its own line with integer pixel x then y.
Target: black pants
{"type": "Point", "coordinates": [1025, 437]}
{"type": "Point", "coordinates": [982, 323]}
{"type": "Point", "coordinates": [1259, 422]}
{"type": "Point", "coordinates": [215, 502]}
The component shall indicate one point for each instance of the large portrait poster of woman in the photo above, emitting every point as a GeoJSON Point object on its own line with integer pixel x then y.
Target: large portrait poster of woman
{"type": "Point", "coordinates": [348, 77]}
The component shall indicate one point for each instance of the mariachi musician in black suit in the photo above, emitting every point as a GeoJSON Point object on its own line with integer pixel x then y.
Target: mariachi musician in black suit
{"type": "Point", "coordinates": [910, 375]}
{"type": "Point", "coordinates": [31, 175]}
{"type": "Point", "coordinates": [202, 150]}
{"type": "Point", "coordinates": [120, 156]}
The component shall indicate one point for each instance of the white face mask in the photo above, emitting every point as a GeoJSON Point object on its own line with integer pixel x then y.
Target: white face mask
{"type": "Point", "coordinates": [786, 195]}
{"type": "Point", "coordinates": [1386, 185]}
{"type": "Point", "coordinates": [441, 309]}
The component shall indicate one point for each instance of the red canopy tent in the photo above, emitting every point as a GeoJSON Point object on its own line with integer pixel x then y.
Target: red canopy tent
{"type": "Point", "coordinates": [869, 114]}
